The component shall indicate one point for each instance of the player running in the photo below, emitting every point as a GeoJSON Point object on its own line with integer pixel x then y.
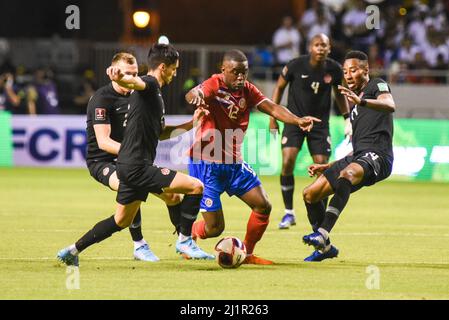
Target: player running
{"type": "Point", "coordinates": [311, 78]}
{"type": "Point", "coordinates": [371, 161]}
{"type": "Point", "coordinates": [106, 114]}
{"type": "Point", "coordinates": [138, 176]}
{"type": "Point", "coordinates": [216, 156]}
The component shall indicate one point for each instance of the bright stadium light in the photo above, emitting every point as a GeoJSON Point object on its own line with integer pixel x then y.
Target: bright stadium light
{"type": "Point", "coordinates": [141, 19]}
{"type": "Point", "coordinates": [163, 40]}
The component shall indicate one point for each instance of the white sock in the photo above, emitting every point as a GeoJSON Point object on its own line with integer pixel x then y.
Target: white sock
{"type": "Point", "coordinates": [138, 244]}
{"type": "Point", "coordinates": [326, 249]}
{"type": "Point", "coordinates": [290, 211]}
{"type": "Point", "coordinates": [73, 250]}
{"type": "Point", "coordinates": [182, 237]}
{"type": "Point", "coordinates": [324, 233]}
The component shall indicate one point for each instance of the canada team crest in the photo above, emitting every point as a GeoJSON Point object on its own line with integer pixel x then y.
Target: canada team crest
{"type": "Point", "coordinates": [327, 78]}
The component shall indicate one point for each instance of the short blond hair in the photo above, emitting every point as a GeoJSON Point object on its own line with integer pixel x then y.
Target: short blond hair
{"type": "Point", "coordinates": [124, 56]}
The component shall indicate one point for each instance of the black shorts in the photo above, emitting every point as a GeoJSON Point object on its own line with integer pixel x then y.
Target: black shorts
{"type": "Point", "coordinates": [136, 181]}
{"type": "Point", "coordinates": [376, 168]}
{"type": "Point", "coordinates": [318, 139]}
{"type": "Point", "coordinates": [102, 171]}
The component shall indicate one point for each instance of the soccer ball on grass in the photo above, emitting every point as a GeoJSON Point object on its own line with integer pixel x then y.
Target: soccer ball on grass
{"type": "Point", "coordinates": [230, 252]}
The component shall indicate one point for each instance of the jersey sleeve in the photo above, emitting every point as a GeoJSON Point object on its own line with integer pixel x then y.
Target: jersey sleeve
{"type": "Point", "coordinates": [379, 87]}
{"type": "Point", "coordinates": [255, 97]}
{"type": "Point", "coordinates": [100, 110]}
{"type": "Point", "coordinates": [150, 85]}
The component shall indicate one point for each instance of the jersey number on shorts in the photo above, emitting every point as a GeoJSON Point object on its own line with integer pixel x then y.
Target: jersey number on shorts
{"type": "Point", "coordinates": [315, 86]}
{"type": "Point", "coordinates": [372, 155]}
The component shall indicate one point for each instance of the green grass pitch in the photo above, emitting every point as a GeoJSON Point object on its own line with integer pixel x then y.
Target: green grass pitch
{"type": "Point", "coordinates": [398, 227]}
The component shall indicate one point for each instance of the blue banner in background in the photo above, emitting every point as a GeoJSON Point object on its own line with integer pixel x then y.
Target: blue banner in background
{"type": "Point", "coordinates": [421, 147]}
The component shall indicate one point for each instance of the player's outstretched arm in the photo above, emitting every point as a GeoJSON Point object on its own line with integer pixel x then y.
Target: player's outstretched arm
{"type": "Point", "coordinates": [123, 80]}
{"type": "Point", "coordinates": [195, 97]}
{"type": "Point", "coordinates": [384, 101]}
{"type": "Point", "coordinates": [281, 113]}
{"type": "Point", "coordinates": [170, 132]}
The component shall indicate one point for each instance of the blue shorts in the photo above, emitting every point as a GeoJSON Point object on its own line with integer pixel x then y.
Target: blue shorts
{"type": "Point", "coordinates": [236, 179]}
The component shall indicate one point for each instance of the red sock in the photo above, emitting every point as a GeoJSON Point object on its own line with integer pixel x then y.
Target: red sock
{"type": "Point", "coordinates": [199, 229]}
{"type": "Point", "coordinates": [257, 224]}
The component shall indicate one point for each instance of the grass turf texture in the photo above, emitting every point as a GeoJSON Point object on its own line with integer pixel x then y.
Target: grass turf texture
{"type": "Point", "coordinates": [401, 228]}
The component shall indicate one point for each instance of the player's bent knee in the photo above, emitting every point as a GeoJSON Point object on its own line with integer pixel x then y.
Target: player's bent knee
{"type": "Point", "coordinates": [122, 221]}
{"type": "Point", "coordinates": [172, 199]}
{"type": "Point", "coordinates": [348, 174]}
{"type": "Point", "coordinates": [265, 208]}
{"type": "Point", "coordinates": [215, 230]}
{"type": "Point", "coordinates": [309, 196]}
{"type": "Point", "coordinates": [197, 186]}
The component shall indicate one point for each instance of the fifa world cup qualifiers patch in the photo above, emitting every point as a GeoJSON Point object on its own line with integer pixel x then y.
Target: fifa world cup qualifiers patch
{"type": "Point", "coordinates": [383, 87]}
{"type": "Point", "coordinates": [100, 114]}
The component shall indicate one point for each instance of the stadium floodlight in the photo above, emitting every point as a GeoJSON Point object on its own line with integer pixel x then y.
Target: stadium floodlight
{"type": "Point", "coordinates": [141, 19]}
{"type": "Point", "coordinates": [163, 40]}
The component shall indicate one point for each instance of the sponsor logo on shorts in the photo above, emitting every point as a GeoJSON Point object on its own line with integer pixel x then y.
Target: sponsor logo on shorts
{"type": "Point", "coordinates": [165, 171]}
{"type": "Point", "coordinates": [209, 202]}
{"type": "Point", "coordinates": [284, 140]}
{"type": "Point", "coordinates": [100, 114]}
{"type": "Point", "coordinates": [105, 171]}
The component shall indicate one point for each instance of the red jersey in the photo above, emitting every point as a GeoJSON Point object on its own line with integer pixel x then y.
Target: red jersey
{"type": "Point", "coordinates": [220, 135]}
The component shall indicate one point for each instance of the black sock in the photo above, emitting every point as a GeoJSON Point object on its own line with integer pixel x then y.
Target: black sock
{"type": "Point", "coordinates": [190, 206]}
{"type": "Point", "coordinates": [102, 230]}
{"type": "Point", "coordinates": [136, 227]}
{"type": "Point", "coordinates": [175, 215]}
{"type": "Point", "coordinates": [337, 203]}
{"type": "Point", "coordinates": [325, 202]}
{"type": "Point", "coordinates": [315, 213]}
{"type": "Point", "coordinates": [288, 187]}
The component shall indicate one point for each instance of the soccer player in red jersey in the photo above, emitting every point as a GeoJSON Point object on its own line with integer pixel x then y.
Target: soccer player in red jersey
{"type": "Point", "coordinates": [216, 159]}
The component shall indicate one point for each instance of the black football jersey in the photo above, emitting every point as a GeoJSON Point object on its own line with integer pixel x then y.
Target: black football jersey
{"type": "Point", "coordinates": [372, 129]}
{"type": "Point", "coordinates": [106, 106]}
{"type": "Point", "coordinates": [310, 88]}
{"type": "Point", "coordinates": [144, 124]}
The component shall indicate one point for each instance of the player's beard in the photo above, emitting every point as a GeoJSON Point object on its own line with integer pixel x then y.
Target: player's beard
{"type": "Point", "coordinates": [239, 85]}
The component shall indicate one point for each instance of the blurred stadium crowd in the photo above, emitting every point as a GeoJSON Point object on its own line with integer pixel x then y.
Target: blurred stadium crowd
{"type": "Point", "coordinates": [416, 38]}
{"type": "Point", "coordinates": [411, 45]}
